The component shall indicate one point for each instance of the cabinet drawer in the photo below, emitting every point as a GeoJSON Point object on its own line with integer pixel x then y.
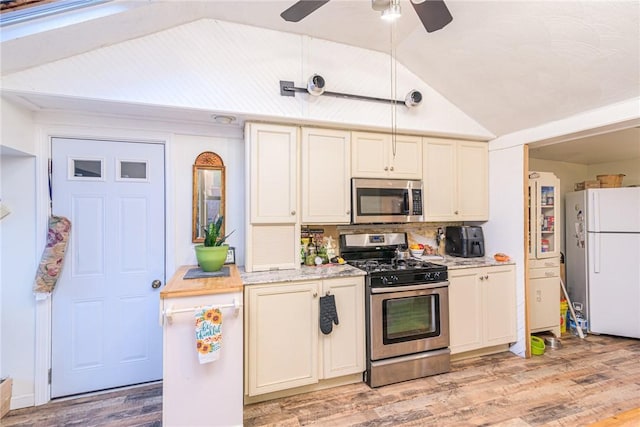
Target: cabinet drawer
{"type": "Point", "coordinates": [542, 263]}
{"type": "Point", "coordinates": [540, 273]}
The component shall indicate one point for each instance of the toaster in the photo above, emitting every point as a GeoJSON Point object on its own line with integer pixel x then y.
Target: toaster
{"type": "Point", "coordinates": [464, 241]}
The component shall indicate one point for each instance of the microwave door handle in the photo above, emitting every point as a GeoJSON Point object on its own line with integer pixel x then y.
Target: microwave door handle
{"type": "Point", "coordinates": [407, 202]}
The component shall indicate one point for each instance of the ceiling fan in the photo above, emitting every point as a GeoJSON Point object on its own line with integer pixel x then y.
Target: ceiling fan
{"type": "Point", "coordinates": [433, 13]}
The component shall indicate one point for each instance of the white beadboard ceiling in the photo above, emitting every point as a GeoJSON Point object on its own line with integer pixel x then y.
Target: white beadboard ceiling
{"type": "Point", "coordinates": [510, 65]}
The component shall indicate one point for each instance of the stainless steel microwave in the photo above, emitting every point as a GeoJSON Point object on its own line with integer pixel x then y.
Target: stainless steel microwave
{"type": "Point", "coordinates": [385, 200]}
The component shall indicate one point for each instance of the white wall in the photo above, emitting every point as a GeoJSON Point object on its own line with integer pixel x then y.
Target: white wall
{"type": "Point", "coordinates": [185, 149]}
{"type": "Point", "coordinates": [210, 65]}
{"type": "Point", "coordinates": [18, 252]}
{"type": "Point", "coordinates": [18, 266]}
{"type": "Point", "coordinates": [505, 229]}
{"type": "Point", "coordinates": [17, 127]}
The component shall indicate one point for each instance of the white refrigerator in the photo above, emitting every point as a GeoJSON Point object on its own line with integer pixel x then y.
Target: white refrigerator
{"type": "Point", "coordinates": [602, 231]}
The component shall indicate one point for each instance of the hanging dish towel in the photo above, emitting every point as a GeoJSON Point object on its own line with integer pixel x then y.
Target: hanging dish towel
{"type": "Point", "coordinates": [53, 256]}
{"type": "Point", "coordinates": [328, 314]}
{"type": "Point", "coordinates": [208, 333]}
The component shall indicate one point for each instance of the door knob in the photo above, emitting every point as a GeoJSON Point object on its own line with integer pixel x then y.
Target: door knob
{"type": "Point", "coordinates": [156, 284]}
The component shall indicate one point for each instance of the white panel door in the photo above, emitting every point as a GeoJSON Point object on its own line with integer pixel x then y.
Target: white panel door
{"type": "Point", "coordinates": [614, 283]}
{"type": "Point", "coordinates": [105, 330]}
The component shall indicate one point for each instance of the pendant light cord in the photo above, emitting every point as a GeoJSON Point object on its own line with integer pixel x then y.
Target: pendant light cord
{"type": "Point", "coordinates": [394, 124]}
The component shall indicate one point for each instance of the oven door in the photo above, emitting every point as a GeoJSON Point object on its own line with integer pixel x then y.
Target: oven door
{"type": "Point", "coordinates": [409, 319]}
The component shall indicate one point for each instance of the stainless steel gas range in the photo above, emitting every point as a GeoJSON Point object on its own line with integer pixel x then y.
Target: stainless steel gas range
{"type": "Point", "coordinates": [407, 309]}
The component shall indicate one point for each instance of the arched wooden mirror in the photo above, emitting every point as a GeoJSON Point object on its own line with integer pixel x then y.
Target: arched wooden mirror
{"type": "Point", "coordinates": [208, 193]}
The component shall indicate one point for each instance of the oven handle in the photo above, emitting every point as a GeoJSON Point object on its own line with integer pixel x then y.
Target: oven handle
{"type": "Point", "coordinates": [420, 287]}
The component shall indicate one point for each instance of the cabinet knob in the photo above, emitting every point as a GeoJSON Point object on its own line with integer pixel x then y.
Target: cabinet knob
{"type": "Point", "coordinates": [386, 168]}
{"type": "Point", "coordinates": [293, 212]}
{"type": "Point", "coordinates": [481, 277]}
{"type": "Point", "coordinates": [315, 294]}
{"type": "Point", "coordinates": [348, 212]}
{"type": "Point", "coordinates": [391, 168]}
{"type": "Point", "coordinates": [328, 293]}
{"type": "Point", "coordinates": [455, 212]}
{"type": "Point", "coordinates": [486, 277]}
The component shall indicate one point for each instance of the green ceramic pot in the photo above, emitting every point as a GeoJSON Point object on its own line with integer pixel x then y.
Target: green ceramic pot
{"type": "Point", "coordinates": [211, 258]}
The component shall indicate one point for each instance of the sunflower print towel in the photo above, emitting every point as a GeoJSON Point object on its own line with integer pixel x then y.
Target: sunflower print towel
{"type": "Point", "coordinates": [208, 333]}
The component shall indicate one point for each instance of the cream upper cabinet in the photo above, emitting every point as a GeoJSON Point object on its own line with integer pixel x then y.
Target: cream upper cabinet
{"type": "Point", "coordinates": [282, 336]}
{"type": "Point", "coordinates": [456, 180]}
{"type": "Point", "coordinates": [482, 305]}
{"type": "Point", "coordinates": [273, 229]}
{"type": "Point", "coordinates": [377, 155]}
{"type": "Point", "coordinates": [343, 349]}
{"type": "Point", "coordinates": [326, 176]}
{"type": "Point", "coordinates": [272, 173]}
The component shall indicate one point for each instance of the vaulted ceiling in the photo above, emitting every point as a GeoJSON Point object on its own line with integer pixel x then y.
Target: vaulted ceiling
{"type": "Point", "coordinates": [510, 65]}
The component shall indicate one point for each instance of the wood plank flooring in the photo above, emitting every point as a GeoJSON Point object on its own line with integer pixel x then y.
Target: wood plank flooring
{"type": "Point", "coordinates": [583, 382]}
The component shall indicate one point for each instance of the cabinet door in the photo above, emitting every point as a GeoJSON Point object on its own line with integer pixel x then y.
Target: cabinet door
{"type": "Point", "coordinates": [272, 173]}
{"type": "Point", "coordinates": [545, 215]}
{"type": "Point", "coordinates": [439, 179]}
{"type": "Point", "coordinates": [499, 295]}
{"type": "Point", "coordinates": [406, 160]}
{"type": "Point", "coordinates": [465, 310]}
{"type": "Point", "coordinates": [326, 176]}
{"type": "Point", "coordinates": [272, 247]}
{"type": "Point", "coordinates": [544, 306]}
{"type": "Point", "coordinates": [369, 155]}
{"type": "Point", "coordinates": [473, 181]}
{"type": "Point", "coordinates": [343, 348]}
{"type": "Point", "coordinates": [282, 336]}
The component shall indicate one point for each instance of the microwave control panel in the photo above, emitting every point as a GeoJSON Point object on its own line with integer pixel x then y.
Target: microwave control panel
{"type": "Point", "coordinates": [417, 202]}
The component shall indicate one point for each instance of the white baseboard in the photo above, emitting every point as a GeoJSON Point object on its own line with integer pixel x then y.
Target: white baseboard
{"type": "Point", "coordinates": [22, 401]}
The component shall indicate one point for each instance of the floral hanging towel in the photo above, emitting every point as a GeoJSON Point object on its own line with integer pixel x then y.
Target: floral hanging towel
{"type": "Point", "coordinates": [53, 255]}
{"type": "Point", "coordinates": [208, 333]}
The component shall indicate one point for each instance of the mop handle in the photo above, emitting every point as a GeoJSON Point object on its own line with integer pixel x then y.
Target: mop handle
{"type": "Point", "coordinates": [573, 313]}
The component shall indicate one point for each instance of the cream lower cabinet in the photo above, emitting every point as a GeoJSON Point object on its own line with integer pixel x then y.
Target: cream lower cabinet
{"type": "Point", "coordinates": [326, 176]}
{"type": "Point", "coordinates": [456, 180]}
{"type": "Point", "coordinates": [284, 346]}
{"type": "Point", "coordinates": [482, 307]}
{"type": "Point", "coordinates": [544, 295]}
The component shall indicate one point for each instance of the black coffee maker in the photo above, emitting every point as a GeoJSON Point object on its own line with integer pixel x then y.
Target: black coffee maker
{"type": "Point", "coordinates": [464, 241]}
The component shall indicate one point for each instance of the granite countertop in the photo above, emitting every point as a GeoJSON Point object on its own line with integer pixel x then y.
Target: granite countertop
{"type": "Point", "coordinates": [331, 271]}
{"type": "Point", "coordinates": [454, 263]}
{"type": "Point", "coordinates": [326, 271]}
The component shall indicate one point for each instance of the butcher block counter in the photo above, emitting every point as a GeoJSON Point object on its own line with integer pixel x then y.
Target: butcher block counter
{"type": "Point", "coordinates": [195, 393]}
{"type": "Point", "coordinates": [178, 286]}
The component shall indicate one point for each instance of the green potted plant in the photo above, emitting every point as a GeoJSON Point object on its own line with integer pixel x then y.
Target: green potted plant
{"type": "Point", "coordinates": [213, 252]}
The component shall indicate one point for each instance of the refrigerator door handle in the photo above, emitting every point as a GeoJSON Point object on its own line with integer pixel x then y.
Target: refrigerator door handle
{"type": "Point", "coordinates": [595, 211]}
{"type": "Point", "coordinates": [596, 252]}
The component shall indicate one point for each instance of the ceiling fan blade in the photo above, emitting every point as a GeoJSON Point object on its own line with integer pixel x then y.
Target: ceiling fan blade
{"type": "Point", "coordinates": [433, 14]}
{"type": "Point", "coordinates": [301, 9]}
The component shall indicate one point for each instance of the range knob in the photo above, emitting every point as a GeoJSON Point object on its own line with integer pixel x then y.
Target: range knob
{"type": "Point", "coordinates": [384, 280]}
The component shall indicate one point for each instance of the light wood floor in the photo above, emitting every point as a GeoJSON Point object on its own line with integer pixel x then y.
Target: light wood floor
{"type": "Point", "coordinates": [586, 381]}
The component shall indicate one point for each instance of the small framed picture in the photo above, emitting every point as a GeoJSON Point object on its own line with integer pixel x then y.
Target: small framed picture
{"type": "Point", "coordinates": [231, 256]}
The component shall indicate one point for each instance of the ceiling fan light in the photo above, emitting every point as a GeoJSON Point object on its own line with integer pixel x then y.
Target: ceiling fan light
{"type": "Point", "coordinates": [393, 12]}
{"type": "Point", "coordinates": [315, 85]}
